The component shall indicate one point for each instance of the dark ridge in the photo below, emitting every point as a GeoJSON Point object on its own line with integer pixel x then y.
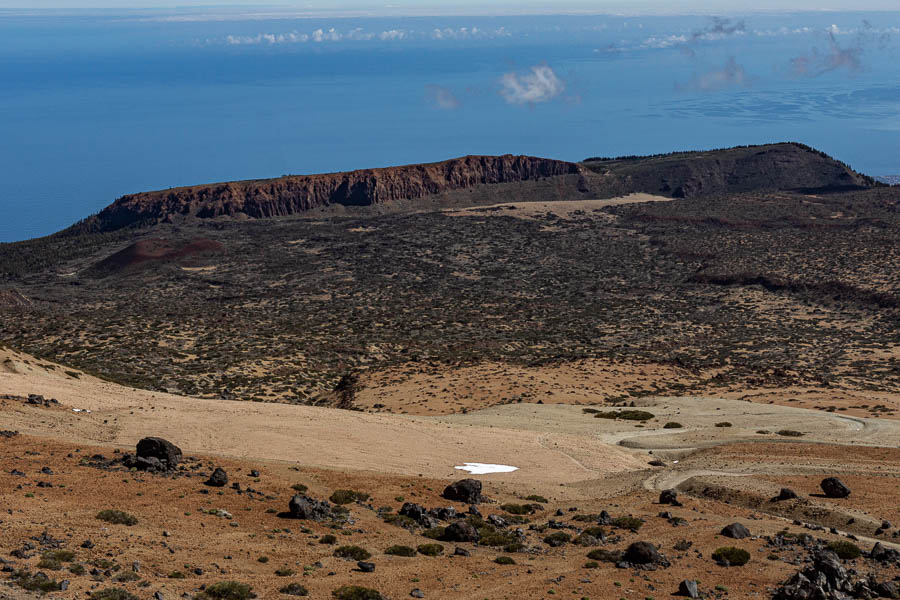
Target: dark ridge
{"type": "Point", "coordinates": [829, 289]}
{"type": "Point", "coordinates": [773, 167]}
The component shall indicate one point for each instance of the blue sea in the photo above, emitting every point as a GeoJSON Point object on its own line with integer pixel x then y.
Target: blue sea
{"type": "Point", "coordinates": [97, 104]}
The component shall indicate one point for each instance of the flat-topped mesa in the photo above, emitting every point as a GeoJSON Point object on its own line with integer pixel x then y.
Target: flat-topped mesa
{"type": "Point", "coordinates": [298, 193]}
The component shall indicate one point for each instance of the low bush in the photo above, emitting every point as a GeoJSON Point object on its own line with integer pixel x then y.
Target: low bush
{"type": "Point", "coordinates": [626, 415]}
{"type": "Point", "coordinates": [729, 555]}
{"type": "Point", "coordinates": [284, 572]}
{"type": "Point", "coordinates": [227, 590]}
{"type": "Point", "coordinates": [49, 563]}
{"type": "Point", "coordinates": [557, 538]}
{"type": "Point", "coordinates": [355, 592]}
{"type": "Point", "coordinates": [348, 497]}
{"type": "Point", "coordinates": [536, 498]}
{"type": "Point", "coordinates": [435, 533]}
{"type": "Point", "coordinates": [77, 569]}
{"type": "Point", "coordinates": [352, 552]}
{"type": "Point", "coordinates": [300, 488]}
{"type": "Point", "coordinates": [430, 549]}
{"type": "Point", "coordinates": [673, 425]}
{"type": "Point", "coordinates": [35, 583]}
{"type": "Point", "coordinates": [328, 539]}
{"type": "Point", "coordinates": [789, 433]}
{"type": "Point", "coordinates": [723, 424]}
{"type": "Point", "coordinates": [401, 551]}
{"type": "Point", "coordinates": [294, 589]}
{"type": "Point", "coordinates": [845, 550]}
{"type": "Point", "coordinates": [604, 555]}
{"type": "Point", "coordinates": [60, 555]}
{"type": "Point", "coordinates": [504, 560]}
{"type": "Point", "coordinates": [632, 523]}
{"type": "Point", "coordinates": [113, 594]}
{"type": "Point", "coordinates": [517, 509]}
{"type": "Point", "coordinates": [117, 517]}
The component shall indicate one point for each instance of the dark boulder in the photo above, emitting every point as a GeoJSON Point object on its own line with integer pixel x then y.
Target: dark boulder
{"type": "Point", "coordinates": [467, 491]}
{"type": "Point", "coordinates": [888, 589]}
{"type": "Point", "coordinates": [834, 488]}
{"type": "Point", "coordinates": [366, 567]}
{"type": "Point", "coordinates": [419, 514]}
{"type": "Point", "coordinates": [218, 479]}
{"type": "Point", "coordinates": [642, 553]}
{"type": "Point", "coordinates": [669, 497]}
{"type": "Point", "coordinates": [164, 451]}
{"type": "Point", "coordinates": [304, 507]}
{"type": "Point", "coordinates": [736, 531]}
{"type": "Point", "coordinates": [688, 588]}
{"type": "Point", "coordinates": [461, 531]}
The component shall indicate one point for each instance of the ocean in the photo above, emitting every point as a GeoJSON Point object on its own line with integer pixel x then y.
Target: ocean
{"type": "Point", "coordinates": [98, 104]}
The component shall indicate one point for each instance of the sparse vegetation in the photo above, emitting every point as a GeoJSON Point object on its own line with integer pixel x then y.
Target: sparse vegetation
{"type": "Point", "coordinates": [504, 560]}
{"type": "Point", "coordinates": [731, 556]}
{"type": "Point", "coordinates": [113, 594]}
{"type": "Point", "coordinates": [355, 592]}
{"type": "Point", "coordinates": [626, 415]}
{"type": "Point", "coordinates": [430, 549]}
{"type": "Point", "coordinates": [117, 517]}
{"type": "Point", "coordinates": [845, 550]}
{"type": "Point", "coordinates": [352, 552]}
{"type": "Point", "coordinates": [227, 590]}
{"type": "Point", "coordinates": [401, 551]}
{"type": "Point", "coordinates": [348, 497]}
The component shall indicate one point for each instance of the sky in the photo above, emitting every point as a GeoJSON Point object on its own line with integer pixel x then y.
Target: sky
{"type": "Point", "coordinates": [467, 7]}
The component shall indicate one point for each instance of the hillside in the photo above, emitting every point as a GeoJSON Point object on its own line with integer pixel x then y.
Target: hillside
{"type": "Point", "coordinates": [773, 167]}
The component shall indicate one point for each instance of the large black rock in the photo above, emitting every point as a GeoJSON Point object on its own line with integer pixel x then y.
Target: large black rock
{"type": "Point", "coordinates": [461, 531]}
{"type": "Point", "coordinates": [834, 488]}
{"type": "Point", "coordinates": [218, 479]}
{"type": "Point", "coordinates": [736, 531]}
{"type": "Point", "coordinates": [304, 507]}
{"type": "Point", "coordinates": [642, 553]}
{"type": "Point", "coordinates": [467, 491]}
{"type": "Point", "coordinates": [162, 450]}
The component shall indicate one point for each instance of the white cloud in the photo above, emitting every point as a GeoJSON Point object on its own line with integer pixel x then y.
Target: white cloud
{"type": "Point", "coordinates": [332, 35]}
{"type": "Point", "coordinates": [441, 97]}
{"type": "Point", "coordinates": [731, 74]}
{"type": "Point", "coordinates": [392, 34]}
{"type": "Point", "coordinates": [541, 84]}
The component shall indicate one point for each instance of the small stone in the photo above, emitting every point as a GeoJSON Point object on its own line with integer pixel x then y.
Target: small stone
{"type": "Point", "coordinates": [366, 567]}
{"type": "Point", "coordinates": [218, 479]}
{"type": "Point", "coordinates": [417, 593]}
{"type": "Point", "coordinates": [688, 588]}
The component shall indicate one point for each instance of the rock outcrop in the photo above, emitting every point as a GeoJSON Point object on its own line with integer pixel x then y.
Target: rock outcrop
{"type": "Point", "coordinates": [295, 194]}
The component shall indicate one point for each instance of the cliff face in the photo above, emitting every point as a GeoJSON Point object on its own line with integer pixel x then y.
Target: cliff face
{"type": "Point", "coordinates": [294, 194]}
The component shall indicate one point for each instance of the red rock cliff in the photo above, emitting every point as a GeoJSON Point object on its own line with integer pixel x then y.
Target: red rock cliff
{"type": "Point", "coordinates": [294, 194]}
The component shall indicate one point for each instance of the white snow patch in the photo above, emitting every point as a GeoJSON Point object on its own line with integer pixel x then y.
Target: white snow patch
{"type": "Point", "coordinates": [78, 410]}
{"type": "Point", "coordinates": [484, 469]}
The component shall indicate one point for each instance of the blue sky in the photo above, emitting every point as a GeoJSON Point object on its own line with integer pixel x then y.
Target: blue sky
{"type": "Point", "coordinates": [469, 7]}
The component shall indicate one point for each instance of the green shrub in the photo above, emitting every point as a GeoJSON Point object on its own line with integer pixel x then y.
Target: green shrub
{"type": "Point", "coordinates": [537, 498]}
{"type": "Point", "coordinates": [488, 536]}
{"type": "Point", "coordinates": [177, 575]}
{"type": "Point", "coordinates": [227, 590]}
{"type": "Point", "coordinates": [514, 547]}
{"type": "Point", "coordinates": [673, 425]}
{"type": "Point", "coordinates": [430, 549]}
{"type": "Point", "coordinates": [723, 424]}
{"type": "Point", "coordinates": [845, 550]}
{"type": "Point", "coordinates": [586, 518]}
{"type": "Point", "coordinates": [401, 551]}
{"type": "Point", "coordinates": [627, 415]}
{"type": "Point", "coordinates": [49, 563]}
{"type": "Point", "coordinates": [504, 560]}
{"type": "Point", "coordinates": [597, 532]}
{"type": "Point", "coordinates": [435, 533]}
{"type": "Point", "coordinates": [352, 552]}
{"type": "Point", "coordinates": [517, 509]}
{"type": "Point", "coordinates": [591, 564]}
{"type": "Point", "coordinates": [348, 497]}
{"type": "Point", "coordinates": [604, 555]}
{"type": "Point", "coordinates": [126, 576]}
{"type": "Point", "coordinates": [401, 521]}
{"type": "Point", "coordinates": [736, 557]}
{"type": "Point", "coordinates": [32, 583]}
{"type": "Point", "coordinates": [113, 594]}
{"type": "Point", "coordinates": [632, 523]}
{"type": "Point", "coordinates": [328, 539]}
{"type": "Point", "coordinates": [294, 589]}
{"type": "Point", "coordinates": [284, 572]}
{"type": "Point", "coordinates": [557, 538]}
{"type": "Point", "coordinates": [117, 517]}
{"type": "Point", "coordinates": [60, 555]}
{"type": "Point", "coordinates": [355, 592]}
{"type": "Point", "coordinates": [263, 559]}
{"type": "Point", "coordinates": [300, 488]}
{"type": "Point", "coordinates": [589, 411]}
{"type": "Point", "coordinates": [77, 569]}
{"type": "Point", "coordinates": [789, 433]}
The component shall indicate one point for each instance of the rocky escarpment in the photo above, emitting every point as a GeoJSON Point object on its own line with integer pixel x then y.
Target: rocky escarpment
{"type": "Point", "coordinates": [294, 194]}
{"type": "Point", "coordinates": [787, 166]}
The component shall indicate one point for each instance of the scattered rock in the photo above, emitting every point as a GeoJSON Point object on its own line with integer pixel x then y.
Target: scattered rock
{"type": "Point", "coordinates": [304, 507]}
{"type": "Point", "coordinates": [834, 488]}
{"type": "Point", "coordinates": [417, 593]}
{"type": "Point", "coordinates": [736, 531]}
{"type": "Point", "coordinates": [366, 567]}
{"type": "Point", "coordinates": [467, 491]}
{"type": "Point", "coordinates": [218, 479]}
{"type": "Point", "coordinates": [461, 552]}
{"type": "Point", "coordinates": [643, 553]}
